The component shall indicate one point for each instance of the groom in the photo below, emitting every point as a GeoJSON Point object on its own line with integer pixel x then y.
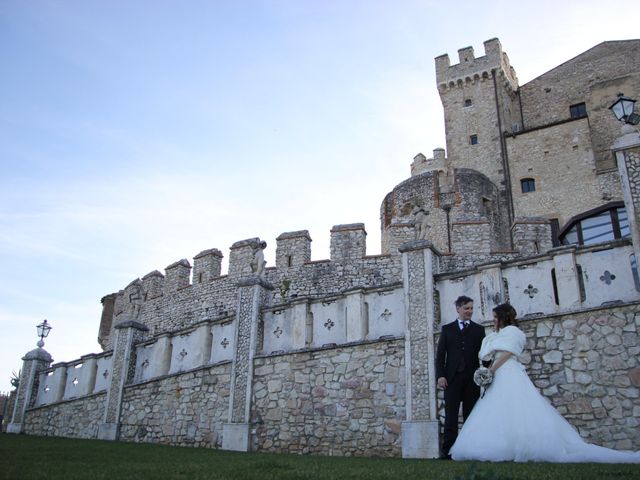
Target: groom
{"type": "Point", "coordinates": [456, 361]}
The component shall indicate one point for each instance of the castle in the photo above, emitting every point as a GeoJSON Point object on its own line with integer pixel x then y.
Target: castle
{"type": "Point", "coordinates": [533, 202]}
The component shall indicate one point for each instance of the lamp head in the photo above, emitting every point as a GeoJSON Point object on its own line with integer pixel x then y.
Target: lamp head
{"type": "Point", "coordinates": [623, 108]}
{"type": "Point", "coordinates": [43, 331]}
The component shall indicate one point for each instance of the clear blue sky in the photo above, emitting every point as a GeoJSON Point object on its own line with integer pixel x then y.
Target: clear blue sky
{"type": "Point", "coordinates": [137, 133]}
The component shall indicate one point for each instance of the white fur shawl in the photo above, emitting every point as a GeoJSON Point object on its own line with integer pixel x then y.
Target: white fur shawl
{"type": "Point", "coordinates": [508, 339]}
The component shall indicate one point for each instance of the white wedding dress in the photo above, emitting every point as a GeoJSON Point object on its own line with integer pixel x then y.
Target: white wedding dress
{"type": "Point", "coordinates": [514, 422]}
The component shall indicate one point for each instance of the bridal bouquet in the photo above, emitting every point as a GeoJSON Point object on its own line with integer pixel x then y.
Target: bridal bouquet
{"type": "Point", "coordinates": [483, 377]}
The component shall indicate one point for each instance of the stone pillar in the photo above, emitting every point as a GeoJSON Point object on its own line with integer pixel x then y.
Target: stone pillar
{"type": "Point", "coordinates": [396, 235]}
{"type": "Point", "coordinates": [348, 242]}
{"type": "Point", "coordinates": [253, 292]}
{"type": "Point", "coordinates": [420, 431]}
{"type": "Point", "coordinates": [33, 363]}
{"type": "Point", "coordinates": [176, 276]}
{"type": "Point", "coordinates": [207, 266]}
{"type": "Point", "coordinates": [627, 152]}
{"type": "Point", "coordinates": [123, 361]}
{"type": "Point", "coordinates": [293, 249]}
{"type": "Point", "coordinates": [108, 302]}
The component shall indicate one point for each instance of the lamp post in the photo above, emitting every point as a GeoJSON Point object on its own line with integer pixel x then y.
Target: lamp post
{"type": "Point", "coordinates": [43, 331]}
{"type": "Point", "coordinates": [623, 108]}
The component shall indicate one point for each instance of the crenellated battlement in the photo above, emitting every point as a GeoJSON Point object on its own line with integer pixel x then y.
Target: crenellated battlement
{"type": "Point", "coordinates": [423, 164]}
{"type": "Point", "coordinates": [471, 69]}
{"type": "Point", "coordinates": [293, 249]}
{"type": "Point", "coordinates": [186, 295]}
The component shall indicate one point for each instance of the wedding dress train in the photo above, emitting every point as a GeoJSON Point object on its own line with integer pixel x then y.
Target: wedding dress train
{"type": "Point", "coordinates": [514, 422]}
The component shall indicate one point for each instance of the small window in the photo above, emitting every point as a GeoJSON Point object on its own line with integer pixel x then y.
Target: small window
{"type": "Point", "coordinates": [473, 139]}
{"type": "Point", "coordinates": [528, 185]}
{"type": "Point", "coordinates": [578, 110]}
{"type": "Point", "coordinates": [468, 102]}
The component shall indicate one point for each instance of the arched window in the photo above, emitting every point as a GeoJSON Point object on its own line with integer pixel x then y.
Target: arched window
{"type": "Point", "coordinates": [528, 185]}
{"type": "Point", "coordinates": [609, 222]}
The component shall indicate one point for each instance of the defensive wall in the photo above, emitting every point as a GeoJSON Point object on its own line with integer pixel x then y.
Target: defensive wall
{"type": "Point", "coordinates": [349, 374]}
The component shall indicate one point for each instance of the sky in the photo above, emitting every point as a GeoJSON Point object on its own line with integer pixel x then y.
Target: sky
{"type": "Point", "coordinates": [136, 133]}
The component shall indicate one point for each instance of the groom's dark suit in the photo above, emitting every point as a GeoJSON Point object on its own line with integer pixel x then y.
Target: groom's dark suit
{"type": "Point", "coordinates": [457, 360]}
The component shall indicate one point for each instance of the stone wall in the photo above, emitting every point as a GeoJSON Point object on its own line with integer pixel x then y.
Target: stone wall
{"type": "Point", "coordinates": [351, 399]}
{"type": "Point", "coordinates": [341, 401]}
{"type": "Point", "coordinates": [78, 418]}
{"type": "Point", "coordinates": [471, 237]}
{"type": "Point", "coordinates": [587, 365]}
{"type": "Point", "coordinates": [554, 157]}
{"type": "Point", "coordinates": [531, 236]}
{"type": "Point", "coordinates": [185, 409]}
{"type": "Point", "coordinates": [594, 77]}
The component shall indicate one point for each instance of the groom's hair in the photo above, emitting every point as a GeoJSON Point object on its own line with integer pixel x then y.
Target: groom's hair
{"type": "Point", "coordinates": [463, 300]}
{"type": "Point", "coordinates": [506, 315]}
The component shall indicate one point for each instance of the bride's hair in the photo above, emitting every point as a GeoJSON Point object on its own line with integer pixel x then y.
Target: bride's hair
{"type": "Point", "coordinates": [506, 315]}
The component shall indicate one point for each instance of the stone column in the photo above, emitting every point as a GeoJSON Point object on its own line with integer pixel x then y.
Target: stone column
{"type": "Point", "coordinates": [123, 362]}
{"type": "Point", "coordinates": [420, 431]}
{"type": "Point", "coordinates": [33, 363]}
{"type": "Point", "coordinates": [252, 294]}
{"type": "Point", "coordinates": [627, 152]}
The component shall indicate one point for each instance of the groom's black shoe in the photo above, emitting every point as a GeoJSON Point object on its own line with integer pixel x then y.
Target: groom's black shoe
{"type": "Point", "coordinates": [445, 456]}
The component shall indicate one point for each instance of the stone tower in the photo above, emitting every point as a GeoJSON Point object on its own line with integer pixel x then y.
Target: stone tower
{"type": "Point", "coordinates": [480, 101]}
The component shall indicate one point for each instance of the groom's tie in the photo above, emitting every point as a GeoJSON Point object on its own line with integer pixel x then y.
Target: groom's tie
{"type": "Point", "coordinates": [462, 364]}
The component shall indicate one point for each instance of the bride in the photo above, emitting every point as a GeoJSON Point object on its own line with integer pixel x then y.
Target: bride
{"type": "Point", "coordinates": [513, 422]}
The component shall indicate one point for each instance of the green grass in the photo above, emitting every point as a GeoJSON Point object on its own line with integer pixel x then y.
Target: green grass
{"type": "Point", "coordinates": [24, 457]}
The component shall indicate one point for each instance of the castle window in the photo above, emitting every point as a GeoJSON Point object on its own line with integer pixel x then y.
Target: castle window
{"type": "Point", "coordinates": [473, 139]}
{"type": "Point", "coordinates": [468, 102]}
{"type": "Point", "coordinates": [578, 110]}
{"type": "Point", "coordinates": [528, 185]}
{"type": "Point", "coordinates": [603, 224]}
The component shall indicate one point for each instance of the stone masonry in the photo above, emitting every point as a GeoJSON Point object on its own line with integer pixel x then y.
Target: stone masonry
{"type": "Point", "coordinates": [343, 401]}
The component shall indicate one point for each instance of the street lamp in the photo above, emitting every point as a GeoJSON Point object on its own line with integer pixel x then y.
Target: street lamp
{"type": "Point", "coordinates": [623, 110]}
{"type": "Point", "coordinates": [43, 331]}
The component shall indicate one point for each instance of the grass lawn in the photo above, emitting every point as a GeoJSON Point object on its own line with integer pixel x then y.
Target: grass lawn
{"type": "Point", "coordinates": [24, 457]}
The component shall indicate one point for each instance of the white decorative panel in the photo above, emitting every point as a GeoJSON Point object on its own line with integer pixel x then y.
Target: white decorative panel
{"type": "Point", "coordinates": [329, 325]}
{"type": "Point", "coordinates": [386, 313]}
{"type": "Point", "coordinates": [223, 344]}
